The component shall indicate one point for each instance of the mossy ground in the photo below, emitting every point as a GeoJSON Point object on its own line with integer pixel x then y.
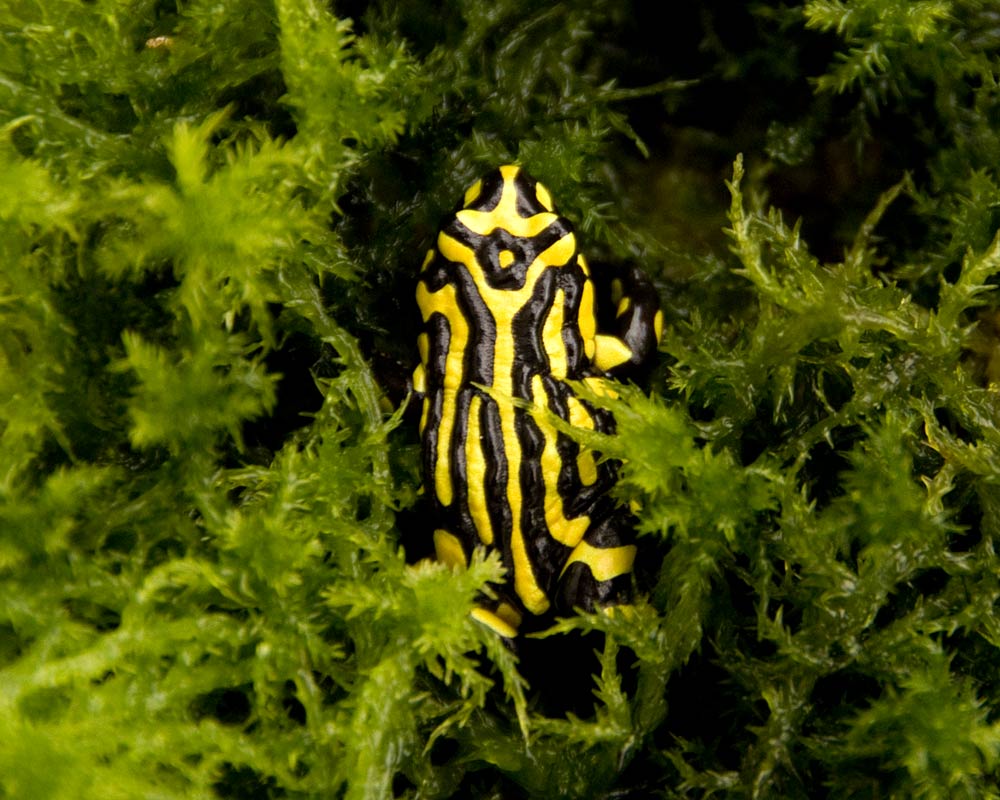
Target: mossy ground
{"type": "Point", "coordinates": [211, 217]}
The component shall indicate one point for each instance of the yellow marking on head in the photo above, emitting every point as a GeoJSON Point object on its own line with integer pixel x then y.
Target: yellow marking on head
{"type": "Point", "coordinates": [427, 259]}
{"type": "Point", "coordinates": [658, 325]}
{"type": "Point", "coordinates": [445, 301]}
{"type": "Point", "coordinates": [552, 338]}
{"type": "Point", "coordinates": [605, 562]}
{"type": "Point", "coordinates": [423, 347]}
{"type": "Point", "coordinates": [420, 379]}
{"type": "Point", "coordinates": [544, 197]}
{"type": "Point", "coordinates": [587, 319]}
{"type": "Point", "coordinates": [557, 254]}
{"type": "Point", "coordinates": [623, 306]}
{"type": "Point", "coordinates": [586, 464]}
{"type": "Point", "coordinates": [494, 622]}
{"type": "Point", "coordinates": [472, 193]}
{"type": "Point", "coordinates": [475, 474]}
{"type": "Point", "coordinates": [610, 352]}
{"type": "Point", "coordinates": [505, 215]}
{"type": "Point", "coordinates": [449, 549]}
{"type": "Point", "coordinates": [566, 531]}
{"type": "Point", "coordinates": [506, 258]}
{"type": "Point", "coordinates": [583, 264]}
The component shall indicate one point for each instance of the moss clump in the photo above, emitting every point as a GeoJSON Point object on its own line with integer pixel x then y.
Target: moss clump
{"type": "Point", "coordinates": [211, 217]}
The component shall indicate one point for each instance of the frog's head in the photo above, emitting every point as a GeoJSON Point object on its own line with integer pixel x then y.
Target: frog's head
{"type": "Point", "coordinates": [506, 221]}
{"type": "Point", "coordinates": [508, 189]}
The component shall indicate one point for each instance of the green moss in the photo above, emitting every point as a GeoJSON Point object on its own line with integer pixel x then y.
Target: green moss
{"type": "Point", "coordinates": [211, 217]}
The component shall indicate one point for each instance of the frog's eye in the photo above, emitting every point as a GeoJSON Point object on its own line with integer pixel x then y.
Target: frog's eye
{"type": "Point", "coordinates": [543, 196]}
{"type": "Point", "coordinates": [472, 193]}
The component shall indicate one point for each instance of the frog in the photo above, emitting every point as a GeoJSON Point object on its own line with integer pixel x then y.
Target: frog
{"type": "Point", "coordinates": [510, 328]}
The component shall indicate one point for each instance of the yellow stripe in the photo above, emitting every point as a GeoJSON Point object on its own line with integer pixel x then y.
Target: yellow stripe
{"type": "Point", "coordinates": [449, 549]}
{"type": "Point", "coordinates": [586, 464]}
{"type": "Point", "coordinates": [605, 562]}
{"type": "Point", "coordinates": [658, 325]}
{"type": "Point", "coordinates": [587, 319]}
{"type": "Point", "coordinates": [472, 193]}
{"type": "Point", "coordinates": [494, 621]}
{"type": "Point", "coordinates": [445, 302]}
{"type": "Point", "coordinates": [610, 352]}
{"type": "Point", "coordinates": [566, 531]}
{"type": "Point", "coordinates": [544, 197]}
{"type": "Point", "coordinates": [475, 474]}
{"type": "Point", "coordinates": [423, 415]}
{"type": "Point", "coordinates": [552, 339]}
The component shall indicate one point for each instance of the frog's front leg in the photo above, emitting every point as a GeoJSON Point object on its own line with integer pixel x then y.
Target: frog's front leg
{"type": "Point", "coordinates": [632, 326]}
{"type": "Point", "coordinates": [598, 572]}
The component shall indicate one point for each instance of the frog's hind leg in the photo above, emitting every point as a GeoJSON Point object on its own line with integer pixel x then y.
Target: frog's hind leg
{"type": "Point", "coordinates": [630, 322]}
{"type": "Point", "coordinates": [598, 571]}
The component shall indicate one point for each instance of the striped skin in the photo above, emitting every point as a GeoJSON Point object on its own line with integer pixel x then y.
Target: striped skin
{"type": "Point", "coordinates": [509, 315]}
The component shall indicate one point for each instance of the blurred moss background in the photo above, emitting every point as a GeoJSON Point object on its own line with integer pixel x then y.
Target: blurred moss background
{"type": "Point", "coordinates": [211, 217]}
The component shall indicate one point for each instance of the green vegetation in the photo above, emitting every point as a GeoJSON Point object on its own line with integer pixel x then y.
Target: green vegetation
{"type": "Point", "coordinates": [211, 218]}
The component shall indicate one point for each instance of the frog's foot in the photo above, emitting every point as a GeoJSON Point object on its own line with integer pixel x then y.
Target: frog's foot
{"type": "Point", "coordinates": [500, 616]}
{"type": "Point", "coordinates": [598, 571]}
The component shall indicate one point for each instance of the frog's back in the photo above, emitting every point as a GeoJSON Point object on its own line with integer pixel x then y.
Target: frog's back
{"type": "Point", "coordinates": [508, 311]}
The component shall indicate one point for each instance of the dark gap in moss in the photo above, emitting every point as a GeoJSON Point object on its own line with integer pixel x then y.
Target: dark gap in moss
{"type": "Point", "coordinates": [292, 705]}
{"type": "Point", "coordinates": [228, 706]}
{"type": "Point", "coordinates": [964, 503]}
{"type": "Point", "coordinates": [951, 423]}
{"type": "Point", "coordinates": [259, 98]}
{"type": "Point", "coordinates": [46, 705]}
{"type": "Point", "coordinates": [164, 550]}
{"type": "Point", "coordinates": [11, 644]}
{"type": "Point", "coordinates": [241, 782]}
{"type": "Point", "coordinates": [402, 785]}
{"type": "Point", "coordinates": [332, 691]}
{"type": "Point", "coordinates": [821, 471]}
{"type": "Point", "coordinates": [109, 112]}
{"type": "Point", "coordinates": [483, 784]}
{"type": "Point", "coordinates": [560, 670]}
{"type": "Point", "coordinates": [927, 461]}
{"type": "Point", "coordinates": [443, 750]}
{"type": "Point", "coordinates": [99, 617]}
{"type": "Point", "coordinates": [836, 387]}
{"type": "Point", "coordinates": [978, 659]}
{"type": "Point", "coordinates": [120, 541]}
{"type": "Point", "coordinates": [904, 599]}
{"type": "Point", "coordinates": [704, 708]}
{"type": "Point", "coordinates": [758, 435]}
{"type": "Point", "coordinates": [299, 358]}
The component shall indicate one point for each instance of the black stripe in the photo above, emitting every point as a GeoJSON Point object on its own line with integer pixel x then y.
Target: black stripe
{"type": "Point", "coordinates": [438, 339]}
{"type": "Point", "coordinates": [571, 281]}
{"type": "Point", "coordinates": [489, 194]}
{"type": "Point", "coordinates": [525, 249]}
{"type": "Point", "coordinates": [497, 503]}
